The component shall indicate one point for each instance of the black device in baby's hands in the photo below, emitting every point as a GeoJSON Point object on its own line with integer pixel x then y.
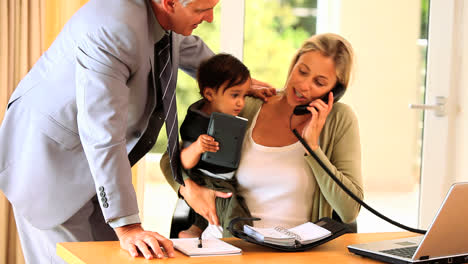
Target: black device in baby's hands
{"type": "Point", "coordinates": [228, 131]}
{"type": "Point", "coordinates": [337, 91]}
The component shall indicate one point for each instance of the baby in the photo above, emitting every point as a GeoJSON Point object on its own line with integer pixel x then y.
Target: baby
{"type": "Point", "coordinates": [223, 81]}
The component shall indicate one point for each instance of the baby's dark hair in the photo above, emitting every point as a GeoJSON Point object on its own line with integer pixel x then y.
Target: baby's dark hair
{"type": "Point", "coordinates": [220, 69]}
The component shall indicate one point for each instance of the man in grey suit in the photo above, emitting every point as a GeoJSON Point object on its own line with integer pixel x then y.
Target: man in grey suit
{"type": "Point", "coordinates": [73, 120]}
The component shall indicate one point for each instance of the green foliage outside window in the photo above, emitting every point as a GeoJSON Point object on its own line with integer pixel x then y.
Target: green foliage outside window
{"type": "Point", "coordinates": [424, 19]}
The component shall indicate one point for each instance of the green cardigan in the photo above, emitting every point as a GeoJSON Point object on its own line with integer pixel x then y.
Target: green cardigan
{"type": "Point", "coordinates": [340, 151]}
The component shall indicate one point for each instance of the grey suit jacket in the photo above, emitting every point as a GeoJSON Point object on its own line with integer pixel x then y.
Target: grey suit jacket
{"type": "Point", "coordinates": [74, 118]}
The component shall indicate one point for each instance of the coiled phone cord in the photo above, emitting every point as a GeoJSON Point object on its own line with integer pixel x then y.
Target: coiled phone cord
{"type": "Point", "coordinates": [351, 194]}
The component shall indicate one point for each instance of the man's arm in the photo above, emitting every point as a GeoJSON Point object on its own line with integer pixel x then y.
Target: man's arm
{"type": "Point", "coordinates": [192, 51]}
{"type": "Point", "coordinates": [102, 71]}
{"type": "Point", "coordinates": [106, 58]}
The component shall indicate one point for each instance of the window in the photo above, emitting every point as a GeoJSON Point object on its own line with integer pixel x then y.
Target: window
{"type": "Point", "coordinates": [274, 30]}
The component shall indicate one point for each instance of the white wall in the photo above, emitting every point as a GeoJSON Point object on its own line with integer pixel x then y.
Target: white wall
{"type": "Point", "coordinates": [461, 83]}
{"type": "Point", "coordinates": [384, 35]}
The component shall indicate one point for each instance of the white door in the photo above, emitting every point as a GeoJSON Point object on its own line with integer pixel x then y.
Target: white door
{"type": "Point", "coordinates": [444, 148]}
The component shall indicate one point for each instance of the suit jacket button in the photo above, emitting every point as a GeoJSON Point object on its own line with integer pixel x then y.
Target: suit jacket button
{"type": "Point", "coordinates": [101, 189]}
{"type": "Point", "coordinates": [105, 205]}
{"type": "Point", "coordinates": [102, 194]}
{"type": "Point", "coordinates": [103, 199]}
{"type": "Point", "coordinates": [137, 134]}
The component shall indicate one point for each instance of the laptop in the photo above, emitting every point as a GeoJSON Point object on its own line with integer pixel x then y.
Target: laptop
{"type": "Point", "coordinates": [446, 240]}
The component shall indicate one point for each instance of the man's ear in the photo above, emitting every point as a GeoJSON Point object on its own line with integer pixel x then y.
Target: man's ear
{"type": "Point", "coordinates": [208, 93]}
{"type": "Point", "coordinates": [169, 5]}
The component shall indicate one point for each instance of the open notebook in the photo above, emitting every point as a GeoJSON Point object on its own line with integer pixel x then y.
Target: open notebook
{"type": "Point", "coordinates": [210, 247]}
{"type": "Point", "coordinates": [335, 228]}
{"type": "Point", "coordinates": [300, 235]}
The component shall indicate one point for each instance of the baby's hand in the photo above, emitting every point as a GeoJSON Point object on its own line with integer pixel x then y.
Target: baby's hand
{"type": "Point", "coordinates": [207, 143]}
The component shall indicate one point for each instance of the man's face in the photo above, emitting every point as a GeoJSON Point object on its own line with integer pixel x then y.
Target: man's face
{"type": "Point", "coordinates": [186, 18]}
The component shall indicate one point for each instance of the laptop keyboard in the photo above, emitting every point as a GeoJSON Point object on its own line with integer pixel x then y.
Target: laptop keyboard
{"type": "Point", "coordinates": [406, 252]}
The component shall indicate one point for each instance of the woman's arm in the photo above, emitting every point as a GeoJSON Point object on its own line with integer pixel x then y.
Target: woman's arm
{"type": "Point", "coordinates": [340, 151]}
{"type": "Point", "coordinates": [201, 199]}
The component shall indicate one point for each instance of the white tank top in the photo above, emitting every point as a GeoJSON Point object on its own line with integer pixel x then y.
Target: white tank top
{"type": "Point", "coordinates": [276, 182]}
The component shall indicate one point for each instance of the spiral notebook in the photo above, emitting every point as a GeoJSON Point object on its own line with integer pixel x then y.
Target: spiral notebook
{"type": "Point", "coordinates": [302, 234]}
{"type": "Point", "coordinates": [335, 228]}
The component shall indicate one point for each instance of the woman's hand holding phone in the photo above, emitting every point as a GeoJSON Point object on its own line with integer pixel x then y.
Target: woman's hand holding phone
{"type": "Point", "coordinates": [313, 128]}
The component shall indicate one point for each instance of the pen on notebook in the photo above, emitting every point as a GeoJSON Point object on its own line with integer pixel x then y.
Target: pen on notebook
{"type": "Point", "coordinates": [200, 244]}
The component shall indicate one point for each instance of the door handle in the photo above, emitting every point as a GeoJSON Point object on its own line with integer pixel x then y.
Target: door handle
{"type": "Point", "coordinates": [439, 107]}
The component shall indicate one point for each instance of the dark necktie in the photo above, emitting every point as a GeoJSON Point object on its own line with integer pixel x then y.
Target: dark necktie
{"type": "Point", "coordinates": [166, 107]}
{"type": "Point", "coordinates": [167, 95]}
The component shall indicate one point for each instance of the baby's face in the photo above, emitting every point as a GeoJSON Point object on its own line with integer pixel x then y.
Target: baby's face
{"type": "Point", "coordinates": [231, 100]}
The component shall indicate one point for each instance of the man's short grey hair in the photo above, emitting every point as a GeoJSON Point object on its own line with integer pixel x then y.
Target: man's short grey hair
{"type": "Point", "coordinates": [183, 2]}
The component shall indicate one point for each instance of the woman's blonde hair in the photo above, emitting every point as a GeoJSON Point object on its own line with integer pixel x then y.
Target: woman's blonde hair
{"type": "Point", "coordinates": [333, 46]}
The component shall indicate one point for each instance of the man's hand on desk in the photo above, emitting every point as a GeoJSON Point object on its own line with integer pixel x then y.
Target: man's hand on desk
{"type": "Point", "coordinates": [134, 236]}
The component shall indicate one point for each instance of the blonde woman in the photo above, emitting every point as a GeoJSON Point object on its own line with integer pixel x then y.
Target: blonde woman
{"type": "Point", "coordinates": [281, 183]}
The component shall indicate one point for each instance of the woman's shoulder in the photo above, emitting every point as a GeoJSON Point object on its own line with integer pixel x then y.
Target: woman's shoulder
{"type": "Point", "coordinates": [343, 113]}
{"type": "Point", "coordinates": [252, 104]}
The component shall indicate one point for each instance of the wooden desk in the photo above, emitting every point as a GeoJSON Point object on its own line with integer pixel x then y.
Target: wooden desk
{"type": "Point", "coordinates": [332, 252]}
